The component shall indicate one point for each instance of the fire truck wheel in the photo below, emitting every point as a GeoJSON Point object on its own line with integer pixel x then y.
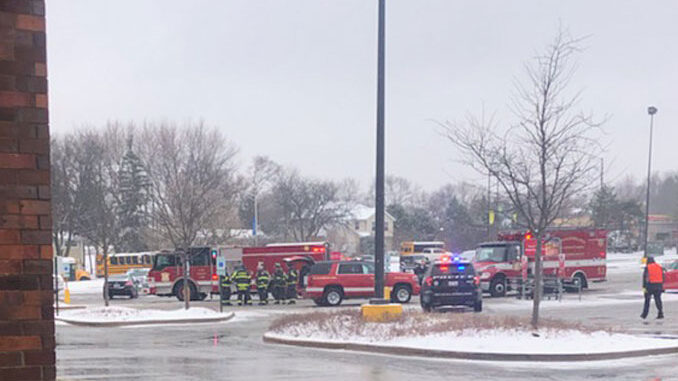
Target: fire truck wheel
{"type": "Point", "coordinates": [179, 291]}
{"type": "Point", "coordinates": [333, 296]}
{"type": "Point", "coordinates": [498, 287]}
{"type": "Point", "coordinates": [579, 279]}
{"type": "Point", "coordinates": [401, 294]}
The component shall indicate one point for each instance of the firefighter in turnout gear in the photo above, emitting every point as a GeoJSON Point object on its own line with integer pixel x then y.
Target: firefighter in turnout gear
{"type": "Point", "coordinates": [263, 279]}
{"type": "Point", "coordinates": [292, 277]}
{"type": "Point", "coordinates": [226, 290]}
{"type": "Point", "coordinates": [279, 284]}
{"type": "Point", "coordinates": [242, 280]}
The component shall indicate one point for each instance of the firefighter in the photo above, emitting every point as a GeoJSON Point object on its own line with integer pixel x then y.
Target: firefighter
{"type": "Point", "coordinates": [279, 283]}
{"type": "Point", "coordinates": [292, 277]}
{"type": "Point", "coordinates": [653, 286]}
{"type": "Point", "coordinates": [420, 270]}
{"type": "Point", "coordinates": [242, 280]}
{"type": "Point", "coordinates": [226, 290]}
{"type": "Point", "coordinates": [263, 278]}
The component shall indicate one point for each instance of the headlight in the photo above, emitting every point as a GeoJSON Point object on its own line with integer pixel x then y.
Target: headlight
{"type": "Point", "coordinates": [485, 275]}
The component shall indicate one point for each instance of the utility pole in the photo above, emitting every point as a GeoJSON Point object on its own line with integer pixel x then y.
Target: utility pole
{"type": "Point", "coordinates": [651, 111]}
{"type": "Point", "coordinates": [379, 197]}
{"type": "Point", "coordinates": [602, 173]}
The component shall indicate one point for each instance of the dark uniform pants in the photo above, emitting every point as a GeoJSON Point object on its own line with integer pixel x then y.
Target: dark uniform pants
{"type": "Point", "coordinates": [279, 292]}
{"type": "Point", "coordinates": [263, 293]}
{"type": "Point", "coordinates": [653, 290]}
{"type": "Point", "coordinates": [292, 291]}
{"type": "Point", "coordinates": [225, 293]}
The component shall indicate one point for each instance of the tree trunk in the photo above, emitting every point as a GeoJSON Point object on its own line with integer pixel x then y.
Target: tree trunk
{"type": "Point", "coordinates": [537, 291]}
{"type": "Point", "coordinates": [187, 292]}
{"type": "Point", "coordinates": [106, 277]}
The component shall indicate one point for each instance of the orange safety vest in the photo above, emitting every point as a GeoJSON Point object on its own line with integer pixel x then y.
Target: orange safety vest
{"type": "Point", "coordinates": [655, 273]}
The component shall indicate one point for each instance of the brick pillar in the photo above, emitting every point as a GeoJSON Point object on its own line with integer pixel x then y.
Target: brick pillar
{"type": "Point", "coordinates": [26, 284]}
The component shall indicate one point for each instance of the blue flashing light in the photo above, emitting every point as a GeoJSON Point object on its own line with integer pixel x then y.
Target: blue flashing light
{"type": "Point", "coordinates": [460, 268]}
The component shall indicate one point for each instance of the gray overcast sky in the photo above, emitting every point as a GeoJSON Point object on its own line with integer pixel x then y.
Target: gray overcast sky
{"type": "Point", "coordinates": [296, 79]}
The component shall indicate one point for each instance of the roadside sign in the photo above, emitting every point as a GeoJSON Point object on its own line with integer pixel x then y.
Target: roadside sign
{"type": "Point", "coordinates": [561, 265]}
{"type": "Point", "coordinates": [221, 266]}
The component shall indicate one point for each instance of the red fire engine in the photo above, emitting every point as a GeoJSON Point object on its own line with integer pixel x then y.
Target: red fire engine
{"type": "Point", "coordinates": [166, 276]}
{"type": "Point", "coordinates": [584, 252]}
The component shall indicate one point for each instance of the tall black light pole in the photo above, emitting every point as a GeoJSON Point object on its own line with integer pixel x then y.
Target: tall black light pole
{"type": "Point", "coordinates": [650, 110]}
{"type": "Point", "coordinates": [379, 217]}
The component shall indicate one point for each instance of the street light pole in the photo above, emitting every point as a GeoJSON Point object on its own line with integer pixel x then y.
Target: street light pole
{"type": "Point", "coordinates": [379, 212]}
{"type": "Point", "coordinates": [651, 111]}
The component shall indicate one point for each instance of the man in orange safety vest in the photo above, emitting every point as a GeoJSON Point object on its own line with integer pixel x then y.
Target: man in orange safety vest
{"type": "Point", "coordinates": [653, 286]}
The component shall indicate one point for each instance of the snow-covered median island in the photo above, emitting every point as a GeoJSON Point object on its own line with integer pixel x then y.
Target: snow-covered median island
{"type": "Point", "coordinates": [130, 316]}
{"type": "Point", "coordinates": [459, 333]}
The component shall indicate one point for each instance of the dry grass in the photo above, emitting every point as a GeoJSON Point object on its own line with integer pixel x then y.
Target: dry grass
{"type": "Point", "coordinates": [349, 323]}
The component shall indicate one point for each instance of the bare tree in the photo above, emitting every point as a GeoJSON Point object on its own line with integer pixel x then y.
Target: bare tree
{"type": "Point", "coordinates": [96, 193]}
{"type": "Point", "coordinates": [308, 205]}
{"type": "Point", "coordinates": [63, 194]}
{"type": "Point", "coordinates": [191, 171]}
{"type": "Point", "coordinates": [547, 156]}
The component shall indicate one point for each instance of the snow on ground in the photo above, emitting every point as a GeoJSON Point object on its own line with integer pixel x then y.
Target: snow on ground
{"type": "Point", "coordinates": [631, 262]}
{"type": "Point", "coordinates": [512, 339]}
{"type": "Point", "coordinates": [588, 300]}
{"type": "Point", "coordinates": [124, 314]}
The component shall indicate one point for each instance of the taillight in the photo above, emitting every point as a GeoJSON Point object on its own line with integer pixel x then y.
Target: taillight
{"type": "Point", "coordinates": [476, 280]}
{"type": "Point", "coordinates": [429, 281]}
{"type": "Point", "coordinates": [215, 277]}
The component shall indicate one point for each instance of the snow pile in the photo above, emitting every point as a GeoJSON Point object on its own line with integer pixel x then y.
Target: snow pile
{"type": "Point", "coordinates": [456, 332]}
{"type": "Point", "coordinates": [94, 286]}
{"type": "Point", "coordinates": [123, 314]}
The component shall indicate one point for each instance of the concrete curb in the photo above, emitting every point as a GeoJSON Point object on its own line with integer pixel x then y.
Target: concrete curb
{"type": "Point", "coordinates": [145, 322]}
{"type": "Point", "coordinates": [484, 356]}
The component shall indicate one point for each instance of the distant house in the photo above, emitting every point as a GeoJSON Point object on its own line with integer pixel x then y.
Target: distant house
{"type": "Point", "coordinates": [662, 228]}
{"type": "Point", "coordinates": [356, 235]}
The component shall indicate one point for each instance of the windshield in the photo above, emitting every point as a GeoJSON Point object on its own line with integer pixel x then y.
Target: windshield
{"type": "Point", "coordinates": [164, 260]}
{"type": "Point", "coordinates": [491, 254]}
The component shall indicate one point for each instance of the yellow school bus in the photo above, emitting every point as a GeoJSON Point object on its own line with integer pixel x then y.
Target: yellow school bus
{"type": "Point", "coordinates": [119, 263]}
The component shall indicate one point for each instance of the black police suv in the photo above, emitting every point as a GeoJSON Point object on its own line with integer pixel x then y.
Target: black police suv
{"type": "Point", "coordinates": [451, 282]}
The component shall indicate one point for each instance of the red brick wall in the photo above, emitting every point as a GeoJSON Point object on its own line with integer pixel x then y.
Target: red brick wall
{"type": "Point", "coordinates": [26, 285]}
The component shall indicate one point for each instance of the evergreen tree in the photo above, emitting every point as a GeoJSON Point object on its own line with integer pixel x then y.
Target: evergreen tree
{"type": "Point", "coordinates": [604, 207]}
{"type": "Point", "coordinates": [134, 197]}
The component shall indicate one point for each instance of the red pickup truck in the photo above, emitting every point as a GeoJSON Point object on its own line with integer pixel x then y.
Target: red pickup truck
{"type": "Point", "coordinates": [328, 283]}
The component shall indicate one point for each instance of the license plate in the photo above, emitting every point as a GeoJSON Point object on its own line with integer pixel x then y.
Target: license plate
{"type": "Point", "coordinates": [453, 283]}
{"type": "Point", "coordinates": [117, 286]}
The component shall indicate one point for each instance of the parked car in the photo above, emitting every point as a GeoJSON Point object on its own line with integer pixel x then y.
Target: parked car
{"type": "Point", "coordinates": [671, 276]}
{"type": "Point", "coordinates": [451, 282]}
{"type": "Point", "coordinates": [122, 285]}
{"type": "Point", "coordinates": [140, 279]}
{"type": "Point", "coordinates": [330, 282]}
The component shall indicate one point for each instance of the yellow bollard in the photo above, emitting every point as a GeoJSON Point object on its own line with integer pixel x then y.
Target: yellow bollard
{"type": "Point", "coordinates": [67, 295]}
{"type": "Point", "coordinates": [387, 293]}
{"type": "Point", "coordinates": [381, 312]}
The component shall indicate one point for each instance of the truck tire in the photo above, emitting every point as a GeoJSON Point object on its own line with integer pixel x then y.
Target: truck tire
{"type": "Point", "coordinates": [401, 294]}
{"type": "Point", "coordinates": [578, 279]}
{"type": "Point", "coordinates": [319, 302]}
{"type": "Point", "coordinates": [179, 291]}
{"type": "Point", "coordinates": [333, 296]}
{"type": "Point", "coordinates": [498, 287]}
